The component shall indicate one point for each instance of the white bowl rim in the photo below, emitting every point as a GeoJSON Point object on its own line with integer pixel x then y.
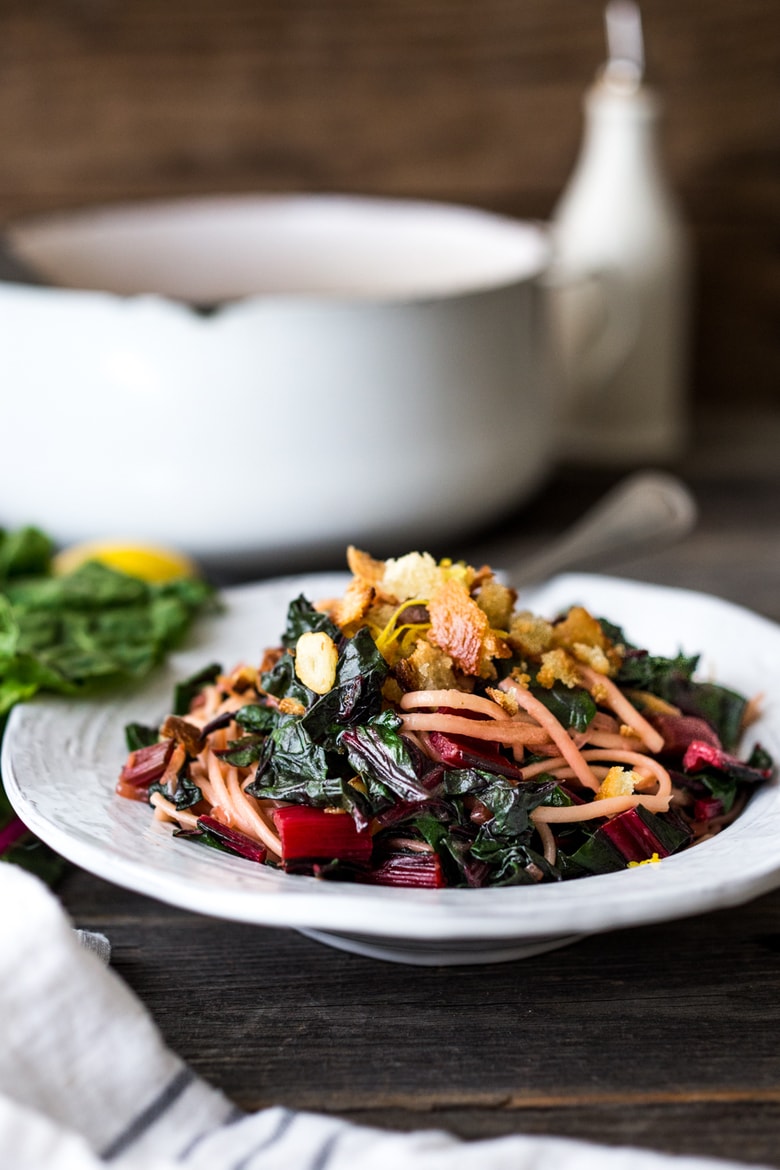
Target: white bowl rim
{"type": "Point", "coordinates": [71, 248]}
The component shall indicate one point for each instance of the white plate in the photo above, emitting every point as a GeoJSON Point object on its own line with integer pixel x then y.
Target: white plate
{"type": "Point", "coordinates": [61, 759]}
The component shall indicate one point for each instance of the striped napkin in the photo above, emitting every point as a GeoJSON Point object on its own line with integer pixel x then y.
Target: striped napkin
{"type": "Point", "coordinates": [86, 1082]}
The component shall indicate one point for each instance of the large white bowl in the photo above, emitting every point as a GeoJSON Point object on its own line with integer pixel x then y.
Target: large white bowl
{"type": "Point", "coordinates": [250, 377]}
{"type": "Point", "coordinates": [61, 759]}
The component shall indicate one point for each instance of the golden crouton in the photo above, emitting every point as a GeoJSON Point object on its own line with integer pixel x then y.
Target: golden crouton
{"type": "Point", "coordinates": [362, 564]}
{"type": "Point", "coordinates": [415, 575]}
{"type": "Point", "coordinates": [557, 665]}
{"type": "Point", "coordinates": [617, 782]}
{"type": "Point", "coordinates": [579, 628]}
{"type": "Point", "coordinates": [592, 656]}
{"type": "Point", "coordinates": [497, 601]}
{"type": "Point", "coordinates": [462, 630]}
{"type": "Point", "coordinates": [427, 668]}
{"type": "Point", "coordinates": [530, 635]}
{"type": "Point", "coordinates": [505, 700]}
{"type": "Point", "coordinates": [354, 603]}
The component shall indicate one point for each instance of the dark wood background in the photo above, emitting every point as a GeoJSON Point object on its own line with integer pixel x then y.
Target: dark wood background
{"type": "Point", "coordinates": [468, 100]}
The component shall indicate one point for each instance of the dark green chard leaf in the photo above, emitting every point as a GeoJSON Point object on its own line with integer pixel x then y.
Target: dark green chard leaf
{"type": "Point", "coordinates": [452, 841]}
{"type": "Point", "coordinates": [615, 633]}
{"type": "Point", "coordinates": [256, 718]}
{"type": "Point", "coordinates": [648, 672]}
{"type": "Point", "coordinates": [723, 709]}
{"type": "Point", "coordinates": [25, 552]}
{"type": "Point", "coordinates": [243, 752]}
{"type": "Point", "coordinates": [760, 759]}
{"type": "Point", "coordinates": [723, 787]}
{"type": "Point", "coordinates": [283, 683]}
{"type": "Point", "coordinates": [185, 795]}
{"type": "Point", "coordinates": [499, 851]}
{"type": "Point", "coordinates": [377, 752]}
{"type": "Point", "coordinates": [296, 754]}
{"type": "Point", "coordinates": [9, 633]}
{"type": "Point", "coordinates": [356, 695]}
{"type": "Point", "coordinates": [251, 748]}
{"type": "Point", "coordinates": [188, 688]}
{"type": "Point", "coordinates": [138, 735]}
{"type": "Point", "coordinates": [596, 854]}
{"type": "Point", "coordinates": [201, 836]}
{"type": "Point", "coordinates": [303, 618]}
{"type": "Point", "coordinates": [466, 781]}
{"type": "Point", "coordinates": [24, 676]}
{"type": "Point", "coordinates": [92, 625]}
{"type": "Point", "coordinates": [511, 806]}
{"type": "Point", "coordinates": [512, 863]}
{"type": "Point", "coordinates": [293, 767]}
{"type": "Point", "coordinates": [574, 707]}
{"type": "Point", "coordinates": [672, 679]}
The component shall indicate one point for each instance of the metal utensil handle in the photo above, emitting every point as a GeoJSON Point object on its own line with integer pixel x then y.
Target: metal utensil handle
{"type": "Point", "coordinates": [639, 511]}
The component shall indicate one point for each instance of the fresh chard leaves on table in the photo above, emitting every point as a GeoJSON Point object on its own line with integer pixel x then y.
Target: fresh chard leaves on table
{"type": "Point", "coordinates": [399, 769]}
{"type": "Point", "coordinates": [73, 633]}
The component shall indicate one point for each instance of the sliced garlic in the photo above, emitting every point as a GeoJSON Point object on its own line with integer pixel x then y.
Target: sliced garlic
{"type": "Point", "coordinates": [316, 658]}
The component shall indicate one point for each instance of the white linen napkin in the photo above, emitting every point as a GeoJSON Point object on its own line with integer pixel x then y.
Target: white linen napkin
{"type": "Point", "coordinates": [86, 1082]}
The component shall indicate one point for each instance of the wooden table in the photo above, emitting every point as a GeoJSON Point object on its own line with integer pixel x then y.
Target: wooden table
{"type": "Point", "coordinates": [660, 1036]}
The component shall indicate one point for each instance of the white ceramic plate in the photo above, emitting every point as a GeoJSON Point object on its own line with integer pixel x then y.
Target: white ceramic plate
{"type": "Point", "coordinates": [61, 759]}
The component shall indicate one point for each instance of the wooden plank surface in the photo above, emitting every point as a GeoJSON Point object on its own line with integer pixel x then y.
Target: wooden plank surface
{"type": "Point", "coordinates": [663, 1036]}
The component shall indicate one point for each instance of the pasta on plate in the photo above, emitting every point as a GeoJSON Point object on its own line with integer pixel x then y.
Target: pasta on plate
{"type": "Point", "coordinates": [423, 729]}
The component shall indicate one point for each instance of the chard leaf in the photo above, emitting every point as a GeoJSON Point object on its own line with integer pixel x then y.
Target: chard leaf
{"type": "Point", "coordinates": [9, 631]}
{"type": "Point", "coordinates": [453, 845]}
{"type": "Point", "coordinates": [243, 752]}
{"type": "Point", "coordinates": [719, 785]}
{"type": "Point", "coordinates": [258, 721]}
{"type": "Point", "coordinates": [138, 735]}
{"type": "Point", "coordinates": [672, 679]}
{"type": "Point", "coordinates": [293, 767]}
{"type": "Point", "coordinates": [557, 797]}
{"type": "Point", "coordinates": [24, 676]}
{"type": "Point", "coordinates": [648, 672]}
{"type": "Point", "coordinates": [722, 708]}
{"type": "Point", "coordinates": [760, 759]}
{"type": "Point", "coordinates": [188, 688]}
{"type": "Point", "coordinates": [318, 791]}
{"type": "Point", "coordinates": [67, 633]}
{"type": "Point", "coordinates": [377, 752]}
{"type": "Point", "coordinates": [186, 794]}
{"type": "Point", "coordinates": [513, 864]}
{"type": "Point", "coordinates": [283, 683]}
{"type": "Point", "coordinates": [432, 830]}
{"type": "Point", "coordinates": [295, 754]}
{"type": "Point", "coordinates": [24, 552]}
{"type": "Point", "coordinates": [90, 587]}
{"type": "Point", "coordinates": [511, 805]}
{"type": "Point", "coordinates": [356, 695]}
{"type": "Point", "coordinates": [303, 618]}
{"type": "Point", "coordinates": [463, 781]}
{"type": "Point", "coordinates": [256, 718]}
{"type": "Point", "coordinates": [574, 707]}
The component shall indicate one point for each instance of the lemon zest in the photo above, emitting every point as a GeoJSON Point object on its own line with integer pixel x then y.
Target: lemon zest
{"type": "Point", "coordinates": [654, 860]}
{"type": "Point", "coordinates": [388, 635]}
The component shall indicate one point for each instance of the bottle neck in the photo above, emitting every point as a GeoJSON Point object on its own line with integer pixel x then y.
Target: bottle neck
{"type": "Point", "coordinates": [620, 128]}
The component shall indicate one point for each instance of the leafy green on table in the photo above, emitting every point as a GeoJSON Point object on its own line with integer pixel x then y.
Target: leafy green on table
{"type": "Point", "coordinates": [74, 633]}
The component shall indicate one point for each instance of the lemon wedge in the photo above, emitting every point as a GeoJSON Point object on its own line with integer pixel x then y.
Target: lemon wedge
{"type": "Point", "coordinates": [148, 562]}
